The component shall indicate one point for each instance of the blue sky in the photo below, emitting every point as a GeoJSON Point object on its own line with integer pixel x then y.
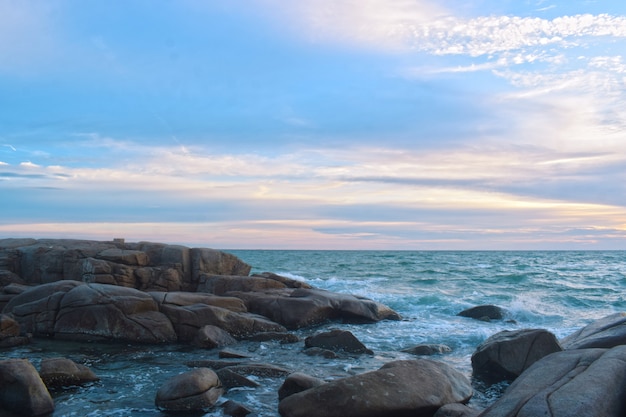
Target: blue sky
{"type": "Point", "coordinates": [326, 124]}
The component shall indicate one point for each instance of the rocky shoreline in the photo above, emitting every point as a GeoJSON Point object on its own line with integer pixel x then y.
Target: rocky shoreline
{"type": "Point", "coordinates": [153, 293]}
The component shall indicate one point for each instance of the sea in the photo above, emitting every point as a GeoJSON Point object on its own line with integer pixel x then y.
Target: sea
{"type": "Point", "coordinates": [560, 291]}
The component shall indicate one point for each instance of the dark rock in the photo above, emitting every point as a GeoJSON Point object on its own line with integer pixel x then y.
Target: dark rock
{"type": "Point", "coordinates": [212, 363]}
{"type": "Point", "coordinates": [337, 340]}
{"type": "Point", "coordinates": [196, 390]}
{"type": "Point", "coordinates": [606, 332]}
{"type": "Point", "coordinates": [21, 389]}
{"type": "Point", "coordinates": [403, 388]}
{"type": "Point", "coordinates": [235, 409]}
{"type": "Point", "coordinates": [505, 355]}
{"type": "Point", "coordinates": [456, 410]}
{"type": "Point", "coordinates": [484, 312]}
{"type": "Point", "coordinates": [427, 350]}
{"type": "Point", "coordinates": [583, 382]}
{"type": "Point", "coordinates": [231, 379]}
{"type": "Point", "coordinates": [297, 382]}
{"type": "Point", "coordinates": [210, 337]}
{"type": "Point", "coordinates": [282, 337]}
{"type": "Point", "coordinates": [60, 372]}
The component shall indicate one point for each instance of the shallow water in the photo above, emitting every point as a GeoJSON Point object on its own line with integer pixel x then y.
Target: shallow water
{"type": "Point", "coordinates": [558, 291]}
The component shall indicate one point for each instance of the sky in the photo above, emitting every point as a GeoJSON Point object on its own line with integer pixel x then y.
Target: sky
{"type": "Point", "coordinates": [316, 124]}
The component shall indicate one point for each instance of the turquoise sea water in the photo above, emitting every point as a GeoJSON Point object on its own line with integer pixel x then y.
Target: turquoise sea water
{"type": "Point", "coordinates": [558, 291]}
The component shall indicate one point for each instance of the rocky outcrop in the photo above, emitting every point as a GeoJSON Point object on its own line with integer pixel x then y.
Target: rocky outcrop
{"type": "Point", "coordinates": [302, 307]}
{"type": "Point", "coordinates": [485, 312]}
{"type": "Point", "coordinates": [418, 387]}
{"type": "Point", "coordinates": [196, 390]}
{"type": "Point", "coordinates": [584, 382]}
{"type": "Point", "coordinates": [144, 265]}
{"type": "Point", "coordinates": [21, 389]}
{"type": "Point", "coordinates": [337, 340]}
{"type": "Point", "coordinates": [505, 355]}
{"type": "Point", "coordinates": [78, 311]}
{"type": "Point", "coordinates": [607, 332]}
{"type": "Point", "coordinates": [61, 372]}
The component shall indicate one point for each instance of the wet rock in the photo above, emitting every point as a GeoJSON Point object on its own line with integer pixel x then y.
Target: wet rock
{"type": "Point", "coordinates": [21, 389]}
{"type": "Point", "coordinates": [484, 312]}
{"type": "Point", "coordinates": [417, 387]}
{"type": "Point", "coordinates": [582, 382]}
{"type": "Point", "coordinates": [210, 337]}
{"type": "Point", "coordinates": [297, 382]}
{"type": "Point", "coordinates": [337, 340]}
{"type": "Point", "coordinates": [505, 355]}
{"type": "Point", "coordinates": [196, 390]}
{"type": "Point", "coordinates": [262, 370]}
{"type": "Point", "coordinates": [231, 379]}
{"type": "Point", "coordinates": [456, 410]}
{"type": "Point", "coordinates": [427, 350]}
{"type": "Point", "coordinates": [606, 332]}
{"type": "Point", "coordinates": [60, 372]}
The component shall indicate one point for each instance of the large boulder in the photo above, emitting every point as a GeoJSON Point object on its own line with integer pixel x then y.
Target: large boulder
{"type": "Point", "coordinates": [505, 355]}
{"type": "Point", "coordinates": [303, 307]}
{"type": "Point", "coordinates": [214, 262]}
{"type": "Point", "coordinates": [21, 389]}
{"type": "Point", "coordinates": [196, 390]}
{"type": "Point", "coordinates": [78, 311]}
{"type": "Point", "coordinates": [584, 382]}
{"type": "Point", "coordinates": [190, 298]}
{"type": "Point", "coordinates": [402, 388]}
{"type": "Point", "coordinates": [606, 332]}
{"type": "Point", "coordinates": [223, 284]}
{"type": "Point", "coordinates": [61, 372]}
{"type": "Point", "coordinates": [210, 337]}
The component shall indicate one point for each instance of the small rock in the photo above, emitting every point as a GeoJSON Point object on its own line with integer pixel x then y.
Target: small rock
{"type": "Point", "coordinates": [282, 337]}
{"type": "Point", "coordinates": [231, 354]}
{"type": "Point", "coordinates": [196, 390]}
{"type": "Point", "coordinates": [8, 327]}
{"type": "Point", "coordinates": [486, 312]}
{"type": "Point", "coordinates": [456, 410]}
{"type": "Point", "coordinates": [337, 340]}
{"type": "Point", "coordinates": [325, 353]}
{"type": "Point", "coordinates": [297, 382]}
{"type": "Point", "coordinates": [427, 350]}
{"type": "Point", "coordinates": [59, 372]}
